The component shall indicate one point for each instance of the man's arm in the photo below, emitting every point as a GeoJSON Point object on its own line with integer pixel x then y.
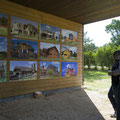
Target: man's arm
{"type": "Point", "coordinates": [117, 71]}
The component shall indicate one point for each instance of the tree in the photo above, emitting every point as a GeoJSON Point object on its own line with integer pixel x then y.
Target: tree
{"type": "Point", "coordinates": [114, 29]}
{"type": "Point", "coordinates": [104, 56]}
{"type": "Point", "coordinates": [89, 52]}
{"type": "Point", "coordinates": [88, 45]}
{"type": "Point", "coordinates": [88, 58]}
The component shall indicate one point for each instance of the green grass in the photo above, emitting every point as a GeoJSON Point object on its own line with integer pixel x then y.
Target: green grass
{"type": "Point", "coordinates": [2, 80]}
{"type": "Point", "coordinates": [43, 58]}
{"type": "Point", "coordinates": [3, 31]}
{"type": "Point", "coordinates": [27, 37]}
{"type": "Point", "coordinates": [97, 80]}
{"type": "Point", "coordinates": [50, 40]}
{"type": "Point", "coordinates": [69, 43]}
{"type": "Point", "coordinates": [71, 59]}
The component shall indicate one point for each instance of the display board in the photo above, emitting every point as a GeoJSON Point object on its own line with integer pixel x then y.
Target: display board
{"type": "Point", "coordinates": [38, 51]}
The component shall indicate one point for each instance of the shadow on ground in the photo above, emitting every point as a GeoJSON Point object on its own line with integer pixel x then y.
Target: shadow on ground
{"type": "Point", "coordinates": [72, 105]}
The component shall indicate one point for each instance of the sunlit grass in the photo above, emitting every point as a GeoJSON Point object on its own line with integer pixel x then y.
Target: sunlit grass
{"type": "Point", "coordinates": [97, 80]}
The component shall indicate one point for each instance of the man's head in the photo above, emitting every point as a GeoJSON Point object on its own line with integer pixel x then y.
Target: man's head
{"type": "Point", "coordinates": [116, 55]}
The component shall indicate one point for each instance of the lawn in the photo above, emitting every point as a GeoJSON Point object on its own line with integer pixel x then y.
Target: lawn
{"type": "Point", "coordinates": [50, 40]}
{"type": "Point", "coordinates": [97, 80]}
{"type": "Point", "coordinates": [2, 80]}
{"type": "Point", "coordinates": [27, 37]}
{"type": "Point", "coordinates": [3, 31]}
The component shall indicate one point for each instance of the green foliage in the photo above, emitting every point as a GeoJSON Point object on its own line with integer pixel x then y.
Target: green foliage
{"type": "Point", "coordinates": [3, 21]}
{"type": "Point", "coordinates": [88, 58]}
{"type": "Point", "coordinates": [89, 51]}
{"type": "Point", "coordinates": [114, 29]}
{"type": "Point", "coordinates": [50, 72]}
{"type": "Point", "coordinates": [104, 56]}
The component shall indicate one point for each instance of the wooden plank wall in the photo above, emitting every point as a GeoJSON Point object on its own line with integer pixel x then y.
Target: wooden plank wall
{"type": "Point", "coordinates": [9, 88]}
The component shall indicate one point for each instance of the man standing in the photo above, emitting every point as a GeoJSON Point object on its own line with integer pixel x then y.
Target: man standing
{"type": "Point", "coordinates": [115, 89]}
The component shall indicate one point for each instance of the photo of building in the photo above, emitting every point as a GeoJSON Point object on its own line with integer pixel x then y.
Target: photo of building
{"type": "Point", "coordinates": [49, 33]}
{"type": "Point", "coordinates": [24, 28]}
{"type": "Point", "coordinates": [68, 69]}
{"type": "Point", "coordinates": [3, 70]}
{"type": "Point", "coordinates": [49, 51]}
{"type": "Point", "coordinates": [3, 24]}
{"type": "Point", "coordinates": [23, 70]}
{"type": "Point", "coordinates": [69, 37]}
{"type": "Point", "coordinates": [23, 49]}
{"type": "Point", "coordinates": [69, 53]}
{"type": "Point", "coordinates": [3, 47]}
{"type": "Point", "coordinates": [49, 69]}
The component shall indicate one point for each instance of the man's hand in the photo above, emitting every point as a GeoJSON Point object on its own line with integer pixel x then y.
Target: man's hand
{"type": "Point", "coordinates": [110, 73]}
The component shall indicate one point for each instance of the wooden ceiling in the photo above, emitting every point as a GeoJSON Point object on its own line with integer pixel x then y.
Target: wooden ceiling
{"type": "Point", "coordinates": [80, 11]}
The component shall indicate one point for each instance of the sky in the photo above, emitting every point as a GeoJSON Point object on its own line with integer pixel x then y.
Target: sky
{"type": "Point", "coordinates": [96, 32]}
{"type": "Point", "coordinates": [49, 28]}
{"type": "Point", "coordinates": [49, 45]}
{"type": "Point", "coordinates": [3, 15]}
{"type": "Point", "coordinates": [73, 49]}
{"type": "Point", "coordinates": [67, 32]}
{"type": "Point", "coordinates": [23, 21]}
{"type": "Point", "coordinates": [46, 63]}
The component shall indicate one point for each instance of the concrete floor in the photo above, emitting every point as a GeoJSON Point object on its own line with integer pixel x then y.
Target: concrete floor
{"type": "Point", "coordinates": [70, 105]}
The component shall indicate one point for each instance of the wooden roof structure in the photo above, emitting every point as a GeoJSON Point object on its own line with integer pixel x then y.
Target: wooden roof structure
{"type": "Point", "coordinates": [80, 11]}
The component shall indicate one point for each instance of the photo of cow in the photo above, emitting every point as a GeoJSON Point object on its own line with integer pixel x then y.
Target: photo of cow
{"type": "Point", "coordinates": [49, 33]}
{"type": "Point", "coordinates": [23, 28]}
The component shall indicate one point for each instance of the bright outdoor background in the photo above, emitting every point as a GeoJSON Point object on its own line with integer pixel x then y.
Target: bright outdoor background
{"type": "Point", "coordinates": [101, 39]}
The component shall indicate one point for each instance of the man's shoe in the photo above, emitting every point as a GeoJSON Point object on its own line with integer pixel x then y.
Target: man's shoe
{"type": "Point", "coordinates": [113, 115]}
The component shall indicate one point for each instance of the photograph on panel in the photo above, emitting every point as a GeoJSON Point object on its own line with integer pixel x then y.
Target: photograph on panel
{"type": "Point", "coordinates": [23, 49]}
{"type": "Point", "coordinates": [49, 33]}
{"type": "Point", "coordinates": [68, 69]}
{"type": "Point", "coordinates": [49, 69]}
{"type": "Point", "coordinates": [3, 71]}
{"type": "Point", "coordinates": [23, 70]}
{"type": "Point", "coordinates": [3, 24]}
{"type": "Point", "coordinates": [49, 51]}
{"type": "Point", "coordinates": [69, 53]}
{"type": "Point", "coordinates": [23, 28]}
{"type": "Point", "coordinates": [3, 47]}
{"type": "Point", "coordinates": [69, 37]}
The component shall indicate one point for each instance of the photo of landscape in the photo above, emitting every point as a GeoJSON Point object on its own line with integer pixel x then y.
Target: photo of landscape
{"type": "Point", "coordinates": [23, 49]}
{"type": "Point", "coordinates": [3, 24]}
{"type": "Point", "coordinates": [3, 47]}
{"type": "Point", "coordinates": [23, 70]}
{"type": "Point", "coordinates": [49, 69]}
{"type": "Point", "coordinates": [49, 51]}
{"type": "Point", "coordinates": [69, 53]}
{"type": "Point", "coordinates": [68, 69]}
{"type": "Point", "coordinates": [3, 71]}
{"type": "Point", "coordinates": [24, 28]}
{"type": "Point", "coordinates": [49, 33]}
{"type": "Point", "coordinates": [69, 37]}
